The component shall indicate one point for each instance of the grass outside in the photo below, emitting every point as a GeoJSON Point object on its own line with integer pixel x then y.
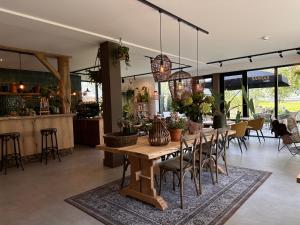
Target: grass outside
{"type": "Point", "coordinates": [290, 106]}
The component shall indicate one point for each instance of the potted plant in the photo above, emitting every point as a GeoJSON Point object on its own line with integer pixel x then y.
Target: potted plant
{"type": "Point", "coordinates": [175, 126]}
{"type": "Point", "coordinates": [128, 133]}
{"type": "Point", "coordinates": [95, 76]}
{"type": "Point", "coordinates": [194, 107]}
{"type": "Point", "coordinates": [122, 53]}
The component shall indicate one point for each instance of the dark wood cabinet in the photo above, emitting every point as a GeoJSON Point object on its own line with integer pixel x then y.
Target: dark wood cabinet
{"type": "Point", "coordinates": [88, 131]}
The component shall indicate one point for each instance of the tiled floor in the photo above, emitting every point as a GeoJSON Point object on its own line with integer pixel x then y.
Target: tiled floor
{"type": "Point", "coordinates": [36, 196]}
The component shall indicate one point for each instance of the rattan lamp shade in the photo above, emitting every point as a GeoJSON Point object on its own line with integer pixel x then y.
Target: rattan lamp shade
{"type": "Point", "coordinates": [186, 81]}
{"type": "Point", "coordinates": [156, 64]}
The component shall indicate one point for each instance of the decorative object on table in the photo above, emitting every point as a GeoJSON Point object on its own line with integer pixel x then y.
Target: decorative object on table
{"type": "Point", "coordinates": [121, 53]}
{"type": "Point", "coordinates": [128, 132]}
{"type": "Point", "coordinates": [159, 134]}
{"type": "Point", "coordinates": [142, 95]}
{"type": "Point", "coordinates": [229, 195]}
{"type": "Point", "coordinates": [180, 82]}
{"type": "Point", "coordinates": [194, 106]}
{"type": "Point", "coordinates": [161, 65]}
{"type": "Point", "coordinates": [175, 126]}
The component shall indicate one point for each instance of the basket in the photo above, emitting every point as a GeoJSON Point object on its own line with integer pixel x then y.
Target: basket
{"type": "Point", "coordinates": [117, 140]}
{"type": "Point", "coordinates": [159, 134]}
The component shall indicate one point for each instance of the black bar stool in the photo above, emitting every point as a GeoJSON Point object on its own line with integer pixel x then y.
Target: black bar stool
{"type": "Point", "coordinates": [5, 138]}
{"type": "Point", "coordinates": [54, 146]}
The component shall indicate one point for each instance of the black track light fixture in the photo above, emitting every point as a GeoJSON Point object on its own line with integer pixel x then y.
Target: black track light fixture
{"type": "Point", "coordinates": [250, 59]}
{"type": "Point", "coordinates": [280, 54]}
{"type": "Point", "coordinates": [298, 51]}
{"type": "Point", "coordinates": [123, 81]}
{"type": "Point", "coordinates": [221, 63]}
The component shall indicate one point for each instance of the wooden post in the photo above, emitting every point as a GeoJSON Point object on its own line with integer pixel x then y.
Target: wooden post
{"type": "Point", "coordinates": [64, 84]}
{"type": "Point", "coordinates": [112, 97]}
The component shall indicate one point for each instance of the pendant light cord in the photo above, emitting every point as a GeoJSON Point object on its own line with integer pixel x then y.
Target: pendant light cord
{"type": "Point", "coordinates": [197, 56]}
{"type": "Point", "coordinates": [20, 62]}
{"type": "Point", "coordinates": [179, 50]}
{"type": "Point", "coordinates": [160, 39]}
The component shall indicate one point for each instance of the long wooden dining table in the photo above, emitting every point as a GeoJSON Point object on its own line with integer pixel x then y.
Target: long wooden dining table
{"type": "Point", "coordinates": [142, 158]}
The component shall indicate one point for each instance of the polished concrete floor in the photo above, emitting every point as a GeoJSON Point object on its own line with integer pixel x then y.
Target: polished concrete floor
{"type": "Point", "coordinates": [36, 196]}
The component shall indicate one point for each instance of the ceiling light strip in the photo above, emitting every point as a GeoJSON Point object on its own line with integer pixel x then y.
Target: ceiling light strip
{"type": "Point", "coordinates": [72, 28]}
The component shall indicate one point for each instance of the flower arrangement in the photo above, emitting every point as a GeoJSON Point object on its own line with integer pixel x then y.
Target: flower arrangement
{"type": "Point", "coordinates": [175, 122]}
{"type": "Point", "coordinates": [195, 106]}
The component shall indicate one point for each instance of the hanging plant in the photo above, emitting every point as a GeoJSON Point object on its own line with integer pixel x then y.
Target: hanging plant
{"type": "Point", "coordinates": [95, 76]}
{"type": "Point", "coordinates": [121, 53]}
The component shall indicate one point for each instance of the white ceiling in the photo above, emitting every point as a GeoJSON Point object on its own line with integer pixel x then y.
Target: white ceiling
{"type": "Point", "coordinates": [76, 28]}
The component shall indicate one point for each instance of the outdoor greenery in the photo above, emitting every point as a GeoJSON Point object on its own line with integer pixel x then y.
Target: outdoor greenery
{"type": "Point", "coordinates": [263, 98]}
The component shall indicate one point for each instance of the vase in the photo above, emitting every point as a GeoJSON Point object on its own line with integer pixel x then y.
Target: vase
{"type": "Point", "coordinates": [219, 121]}
{"type": "Point", "coordinates": [159, 134]}
{"type": "Point", "coordinates": [175, 134]}
{"type": "Point", "coordinates": [194, 127]}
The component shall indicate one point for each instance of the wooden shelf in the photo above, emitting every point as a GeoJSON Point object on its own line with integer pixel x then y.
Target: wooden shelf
{"type": "Point", "coordinates": [19, 94]}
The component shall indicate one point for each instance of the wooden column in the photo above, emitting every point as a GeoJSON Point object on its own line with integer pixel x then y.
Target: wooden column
{"type": "Point", "coordinates": [64, 84]}
{"type": "Point", "coordinates": [216, 82]}
{"type": "Point", "coordinates": [112, 97]}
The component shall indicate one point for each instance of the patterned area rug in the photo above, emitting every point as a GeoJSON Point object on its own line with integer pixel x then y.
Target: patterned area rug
{"type": "Point", "coordinates": [215, 206]}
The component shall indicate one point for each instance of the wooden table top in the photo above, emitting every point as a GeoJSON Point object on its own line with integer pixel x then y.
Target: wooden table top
{"type": "Point", "coordinates": [144, 150]}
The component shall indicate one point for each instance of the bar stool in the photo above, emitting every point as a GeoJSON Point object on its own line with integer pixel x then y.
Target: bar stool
{"type": "Point", "coordinates": [5, 138]}
{"type": "Point", "coordinates": [49, 149]}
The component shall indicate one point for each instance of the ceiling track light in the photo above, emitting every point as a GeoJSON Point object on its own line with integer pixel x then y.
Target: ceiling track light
{"type": "Point", "coordinates": [298, 51]}
{"type": "Point", "coordinates": [250, 59]}
{"type": "Point", "coordinates": [280, 54]}
{"type": "Point", "coordinates": [221, 63]}
{"type": "Point", "coordinates": [123, 81]}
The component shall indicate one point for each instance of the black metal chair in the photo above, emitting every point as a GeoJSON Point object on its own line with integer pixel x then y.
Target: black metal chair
{"type": "Point", "coordinates": [5, 138]}
{"type": "Point", "coordinates": [52, 132]}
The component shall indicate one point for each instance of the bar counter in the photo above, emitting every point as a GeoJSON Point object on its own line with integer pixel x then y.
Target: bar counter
{"type": "Point", "coordinates": [30, 126]}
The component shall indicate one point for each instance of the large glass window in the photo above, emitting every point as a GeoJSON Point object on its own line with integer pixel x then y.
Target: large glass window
{"type": "Point", "coordinates": [288, 91]}
{"type": "Point", "coordinates": [165, 99]}
{"type": "Point", "coordinates": [233, 95]}
{"type": "Point", "coordinates": [261, 88]}
{"type": "Point", "coordinates": [89, 94]}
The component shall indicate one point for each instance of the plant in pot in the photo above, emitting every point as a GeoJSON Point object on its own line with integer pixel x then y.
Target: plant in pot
{"type": "Point", "coordinates": [95, 76]}
{"type": "Point", "coordinates": [122, 53]}
{"type": "Point", "coordinates": [175, 126]}
{"type": "Point", "coordinates": [128, 133]}
{"type": "Point", "coordinates": [194, 107]}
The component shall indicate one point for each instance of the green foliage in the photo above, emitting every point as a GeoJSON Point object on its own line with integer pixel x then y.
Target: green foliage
{"type": "Point", "coordinates": [122, 53]}
{"type": "Point", "coordinates": [195, 106]}
{"type": "Point", "coordinates": [143, 95]}
{"type": "Point", "coordinates": [249, 101]}
{"type": "Point", "coordinates": [175, 122]}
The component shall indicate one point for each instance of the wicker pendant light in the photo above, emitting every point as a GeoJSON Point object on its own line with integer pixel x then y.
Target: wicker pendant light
{"type": "Point", "coordinates": [180, 82]}
{"type": "Point", "coordinates": [161, 65]}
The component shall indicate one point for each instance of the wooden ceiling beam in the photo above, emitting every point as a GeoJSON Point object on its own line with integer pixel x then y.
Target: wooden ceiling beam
{"type": "Point", "coordinates": [31, 52]}
{"type": "Point", "coordinates": [42, 58]}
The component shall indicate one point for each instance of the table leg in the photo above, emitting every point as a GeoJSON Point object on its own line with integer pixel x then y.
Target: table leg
{"type": "Point", "coordinates": [142, 183]}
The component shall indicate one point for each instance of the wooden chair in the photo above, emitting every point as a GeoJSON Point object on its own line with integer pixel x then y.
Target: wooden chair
{"type": "Point", "coordinates": [217, 150]}
{"type": "Point", "coordinates": [257, 125]}
{"type": "Point", "coordinates": [240, 129]}
{"type": "Point", "coordinates": [190, 148]}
